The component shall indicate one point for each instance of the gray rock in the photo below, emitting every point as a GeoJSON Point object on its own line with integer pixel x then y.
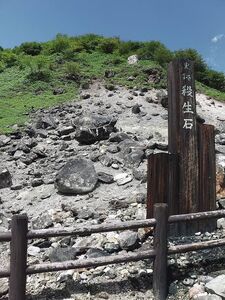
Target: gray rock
{"type": "Point", "coordinates": [4, 140]}
{"type": "Point", "coordinates": [78, 176]}
{"type": "Point", "coordinates": [136, 109]}
{"type": "Point", "coordinates": [42, 221]}
{"type": "Point", "coordinates": [123, 178]}
{"type": "Point", "coordinates": [46, 122]}
{"type": "Point", "coordinates": [94, 128]}
{"type": "Point", "coordinates": [128, 240]}
{"type": "Point", "coordinates": [62, 254]}
{"type": "Point", "coordinates": [66, 130]}
{"type": "Point", "coordinates": [118, 137]}
{"type": "Point", "coordinates": [58, 91]}
{"type": "Point", "coordinates": [5, 178]}
{"type": "Point", "coordinates": [217, 286]}
{"type": "Point", "coordinates": [95, 252]}
{"type": "Point", "coordinates": [105, 178]}
{"type": "Point", "coordinates": [222, 203]}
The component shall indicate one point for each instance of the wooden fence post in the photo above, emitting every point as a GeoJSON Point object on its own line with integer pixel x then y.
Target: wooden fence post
{"type": "Point", "coordinates": [160, 284]}
{"type": "Point", "coordinates": [157, 184]}
{"type": "Point", "coordinates": [18, 258]}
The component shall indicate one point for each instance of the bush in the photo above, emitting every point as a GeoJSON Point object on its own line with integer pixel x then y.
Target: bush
{"type": "Point", "coordinates": [130, 47]}
{"type": "Point", "coordinates": [8, 58]}
{"type": "Point", "coordinates": [39, 67]}
{"type": "Point", "coordinates": [109, 45]}
{"type": "Point", "coordinates": [31, 48]}
{"type": "Point", "coordinates": [89, 42]}
{"type": "Point", "coordinates": [60, 44]}
{"type": "Point", "coordinates": [2, 66]}
{"type": "Point", "coordinates": [73, 71]}
{"type": "Point", "coordinates": [200, 66]}
{"type": "Point", "coordinates": [214, 79]}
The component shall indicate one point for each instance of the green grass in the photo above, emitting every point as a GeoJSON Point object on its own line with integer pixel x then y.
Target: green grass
{"type": "Point", "coordinates": [218, 95]}
{"type": "Point", "coordinates": [18, 97]}
{"type": "Point", "coordinates": [19, 94]}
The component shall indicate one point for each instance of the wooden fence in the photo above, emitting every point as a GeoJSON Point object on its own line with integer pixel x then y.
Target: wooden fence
{"type": "Point", "coordinates": [19, 236]}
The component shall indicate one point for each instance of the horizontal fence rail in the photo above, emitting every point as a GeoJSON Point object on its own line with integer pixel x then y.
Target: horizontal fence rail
{"type": "Point", "coordinates": [101, 228]}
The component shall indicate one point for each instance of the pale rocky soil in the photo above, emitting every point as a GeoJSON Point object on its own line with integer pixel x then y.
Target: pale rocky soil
{"type": "Point", "coordinates": [33, 192]}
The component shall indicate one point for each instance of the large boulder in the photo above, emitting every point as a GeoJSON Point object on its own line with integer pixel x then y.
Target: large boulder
{"type": "Point", "coordinates": [5, 178]}
{"type": "Point", "coordinates": [94, 128]}
{"type": "Point", "coordinates": [78, 176]}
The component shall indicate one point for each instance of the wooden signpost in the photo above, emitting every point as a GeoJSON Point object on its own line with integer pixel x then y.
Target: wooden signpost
{"type": "Point", "coordinates": [185, 176]}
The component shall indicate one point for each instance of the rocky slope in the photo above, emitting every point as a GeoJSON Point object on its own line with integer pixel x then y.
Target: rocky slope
{"type": "Point", "coordinates": [86, 162]}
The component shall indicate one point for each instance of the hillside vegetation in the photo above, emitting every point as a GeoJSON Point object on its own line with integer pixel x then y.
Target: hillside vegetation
{"type": "Point", "coordinates": [37, 75]}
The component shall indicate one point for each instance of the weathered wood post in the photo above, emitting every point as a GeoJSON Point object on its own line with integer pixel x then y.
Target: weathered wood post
{"type": "Point", "coordinates": [18, 258]}
{"type": "Point", "coordinates": [182, 134]}
{"type": "Point", "coordinates": [160, 284]}
{"type": "Point", "coordinates": [162, 188]}
{"type": "Point", "coordinates": [207, 174]}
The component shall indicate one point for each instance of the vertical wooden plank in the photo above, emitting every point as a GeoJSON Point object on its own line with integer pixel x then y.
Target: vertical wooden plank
{"type": "Point", "coordinates": [18, 258]}
{"type": "Point", "coordinates": [160, 284]}
{"type": "Point", "coordinates": [157, 183]}
{"type": "Point", "coordinates": [182, 131]}
{"type": "Point", "coordinates": [207, 173]}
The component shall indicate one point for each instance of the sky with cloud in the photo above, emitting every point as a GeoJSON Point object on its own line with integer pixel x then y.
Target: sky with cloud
{"type": "Point", "coordinates": [179, 24]}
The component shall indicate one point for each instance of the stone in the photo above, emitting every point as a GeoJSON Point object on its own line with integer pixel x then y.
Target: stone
{"type": "Point", "coordinates": [96, 252]}
{"type": "Point", "coordinates": [62, 254]}
{"type": "Point", "coordinates": [4, 286]}
{"type": "Point", "coordinates": [123, 178]}
{"type": "Point", "coordinates": [78, 176]}
{"type": "Point", "coordinates": [4, 140]}
{"type": "Point", "coordinates": [133, 59]}
{"type": "Point", "coordinates": [222, 203]}
{"type": "Point", "coordinates": [58, 91]}
{"type": "Point", "coordinates": [33, 251]}
{"type": "Point", "coordinates": [217, 286]}
{"type": "Point", "coordinates": [46, 121]}
{"type": "Point", "coordinates": [66, 130]}
{"type": "Point", "coordinates": [5, 178]}
{"type": "Point", "coordinates": [221, 223]}
{"type": "Point", "coordinates": [105, 178]}
{"type": "Point", "coordinates": [128, 240]}
{"type": "Point", "coordinates": [136, 109]}
{"type": "Point", "coordinates": [94, 128]}
{"type": "Point", "coordinates": [118, 137]}
{"type": "Point", "coordinates": [42, 221]}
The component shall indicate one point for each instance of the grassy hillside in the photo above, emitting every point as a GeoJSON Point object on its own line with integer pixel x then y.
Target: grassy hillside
{"type": "Point", "coordinates": [36, 75]}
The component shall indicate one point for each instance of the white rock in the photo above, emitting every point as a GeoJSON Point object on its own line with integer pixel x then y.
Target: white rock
{"type": "Point", "coordinates": [133, 59]}
{"type": "Point", "coordinates": [123, 178]}
{"type": "Point", "coordinates": [33, 251]}
{"type": "Point", "coordinates": [221, 223]}
{"type": "Point", "coordinates": [217, 286]}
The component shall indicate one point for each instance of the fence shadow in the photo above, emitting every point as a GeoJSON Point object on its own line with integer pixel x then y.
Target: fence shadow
{"type": "Point", "coordinates": [141, 283]}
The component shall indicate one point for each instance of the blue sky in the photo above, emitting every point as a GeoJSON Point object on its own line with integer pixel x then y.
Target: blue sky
{"type": "Point", "coordinates": [198, 24]}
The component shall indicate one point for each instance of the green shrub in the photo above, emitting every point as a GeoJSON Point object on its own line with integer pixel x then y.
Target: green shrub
{"type": "Point", "coordinates": [129, 47]}
{"type": "Point", "coordinates": [39, 67]}
{"type": "Point", "coordinates": [9, 58]}
{"type": "Point", "coordinates": [31, 48]}
{"type": "Point", "coordinates": [73, 71]}
{"type": "Point", "coordinates": [59, 44]}
{"type": "Point", "coordinates": [109, 45]}
{"type": "Point", "coordinates": [2, 66]}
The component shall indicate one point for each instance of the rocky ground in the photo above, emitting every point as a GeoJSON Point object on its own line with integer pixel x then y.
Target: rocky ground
{"type": "Point", "coordinates": [85, 162]}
